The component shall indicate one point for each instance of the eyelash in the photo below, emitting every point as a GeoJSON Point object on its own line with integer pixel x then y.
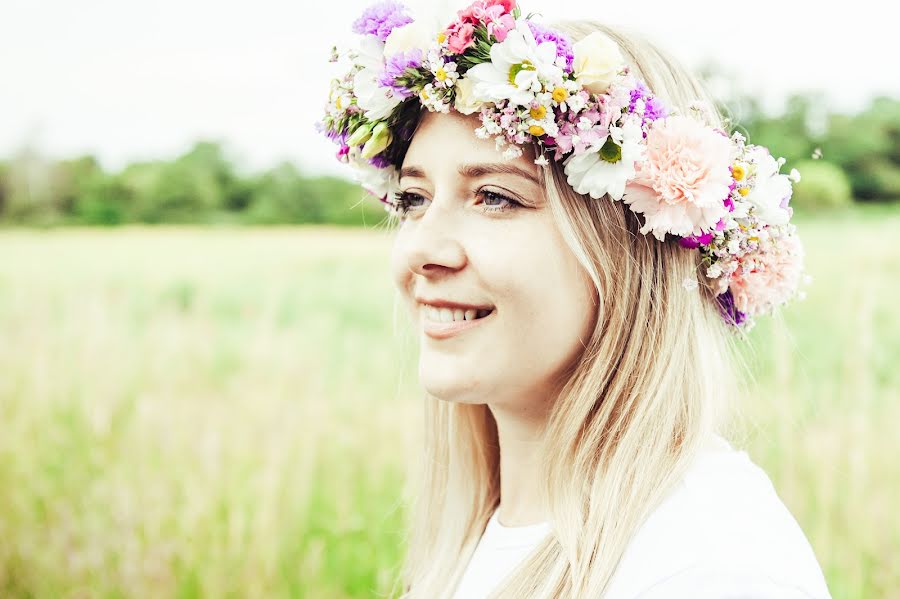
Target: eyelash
{"type": "Point", "coordinates": [403, 200]}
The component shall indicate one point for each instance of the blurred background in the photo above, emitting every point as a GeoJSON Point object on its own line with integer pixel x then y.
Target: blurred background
{"type": "Point", "coordinates": [202, 391]}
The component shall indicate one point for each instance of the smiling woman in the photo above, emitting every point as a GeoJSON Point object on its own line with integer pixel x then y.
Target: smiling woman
{"type": "Point", "coordinates": [476, 231]}
{"type": "Point", "coordinates": [576, 252]}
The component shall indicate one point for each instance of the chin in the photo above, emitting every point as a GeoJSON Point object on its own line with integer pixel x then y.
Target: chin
{"type": "Point", "coordinates": [447, 384]}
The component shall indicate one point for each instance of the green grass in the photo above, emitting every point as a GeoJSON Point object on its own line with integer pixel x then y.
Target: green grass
{"type": "Point", "coordinates": [227, 413]}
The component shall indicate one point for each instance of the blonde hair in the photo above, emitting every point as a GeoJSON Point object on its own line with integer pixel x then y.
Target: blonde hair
{"type": "Point", "coordinates": [648, 390]}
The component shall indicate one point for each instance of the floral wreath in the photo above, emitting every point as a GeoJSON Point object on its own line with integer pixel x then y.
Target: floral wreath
{"type": "Point", "coordinates": [578, 104]}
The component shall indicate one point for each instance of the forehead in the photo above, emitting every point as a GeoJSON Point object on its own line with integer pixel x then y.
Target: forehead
{"type": "Point", "coordinates": [449, 138]}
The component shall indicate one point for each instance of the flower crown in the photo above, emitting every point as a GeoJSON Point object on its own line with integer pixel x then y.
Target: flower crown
{"type": "Point", "coordinates": [578, 104]}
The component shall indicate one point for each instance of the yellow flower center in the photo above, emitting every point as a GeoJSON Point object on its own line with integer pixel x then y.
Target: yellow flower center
{"type": "Point", "coordinates": [441, 37]}
{"type": "Point", "coordinates": [536, 130]}
{"type": "Point", "coordinates": [737, 171]}
{"type": "Point", "coordinates": [338, 103]}
{"type": "Point", "coordinates": [424, 95]}
{"type": "Point", "coordinates": [744, 191]}
{"type": "Point", "coordinates": [538, 112]}
{"type": "Point", "coordinates": [441, 74]}
{"type": "Point", "coordinates": [518, 68]}
{"type": "Point", "coordinates": [560, 94]}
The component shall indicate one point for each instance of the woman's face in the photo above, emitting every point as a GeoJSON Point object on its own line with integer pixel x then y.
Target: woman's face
{"type": "Point", "coordinates": [479, 232]}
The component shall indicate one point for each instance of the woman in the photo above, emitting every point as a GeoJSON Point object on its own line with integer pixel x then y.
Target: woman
{"type": "Point", "coordinates": [577, 241]}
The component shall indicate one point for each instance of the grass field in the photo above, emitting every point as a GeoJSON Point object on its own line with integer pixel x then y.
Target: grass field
{"type": "Point", "coordinates": [227, 412]}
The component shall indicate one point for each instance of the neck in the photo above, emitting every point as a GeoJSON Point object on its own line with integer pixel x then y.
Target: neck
{"type": "Point", "coordinates": [520, 432]}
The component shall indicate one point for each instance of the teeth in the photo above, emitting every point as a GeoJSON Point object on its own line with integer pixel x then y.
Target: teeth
{"type": "Point", "coordinates": [453, 315]}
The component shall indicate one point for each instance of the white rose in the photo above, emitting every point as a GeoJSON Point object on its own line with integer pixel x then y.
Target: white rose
{"type": "Point", "coordinates": [597, 62]}
{"type": "Point", "coordinates": [408, 37]}
{"type": "Point", "coordinates": [465, 102]}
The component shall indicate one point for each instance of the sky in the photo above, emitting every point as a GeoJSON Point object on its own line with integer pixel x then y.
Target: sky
{"type": "Point", "coordinates": [130, 80]}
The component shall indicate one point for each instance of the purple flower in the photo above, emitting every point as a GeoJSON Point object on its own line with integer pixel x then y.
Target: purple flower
{"type": "Point", "coordinates": [727, 309]}
{"type": "Point", "coordinates": [695, 241]}
{"type": "Point", "coordinates": [653, 108]}
{"type": "Point", "coordinates": [379, 161]}
{"type": "Point", "coordinates": [563, 45]}
{"type": "Point", "coordinates": [338, 137]}
{"type": "Point", "coordinates": [396, 67]}
{"type": "Point", "coordinates": [599, 119]}
{"type": "Point", "coordinates": [380, 19]}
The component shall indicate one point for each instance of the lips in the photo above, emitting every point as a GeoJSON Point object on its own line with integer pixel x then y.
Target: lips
{"type": "Point", "coordinates": [443, 330]}
{"type": "Point", "coordinates": [452, 305]}
{"type": "Point", "coordinates": [449, 315]}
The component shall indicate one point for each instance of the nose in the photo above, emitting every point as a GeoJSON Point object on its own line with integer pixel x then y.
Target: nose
{"type": "Point", "coordinates": [432, 246]}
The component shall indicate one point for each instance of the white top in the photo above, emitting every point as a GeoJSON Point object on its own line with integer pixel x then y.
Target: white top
{"type": "Point", "coordinates": [723, 533]}
{"type": "Point", "coordinates": [500, 549]}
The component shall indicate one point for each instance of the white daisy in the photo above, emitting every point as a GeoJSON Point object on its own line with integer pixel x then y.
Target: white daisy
{"type": "Point", "coordinates": [589, 173]}
{"type": "Point", "coordinates": [519, 68]}
{"type": "Point", "coordinates": [445, 74]}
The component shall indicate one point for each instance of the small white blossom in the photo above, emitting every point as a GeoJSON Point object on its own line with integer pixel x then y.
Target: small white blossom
{"type": "Point", "coordinates": [575, 103]}
{"type": "Point", "coordinates": [639, 106]}
{"type": "Point", "coordinates": [512, 151]}
{"type": "Point", "coordinates": [690, 283]}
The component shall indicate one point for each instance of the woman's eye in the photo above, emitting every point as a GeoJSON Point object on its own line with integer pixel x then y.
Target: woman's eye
{"type": "Point", "coordinates": [406, 200]}
{"type": "Point", "coordinates": [494, 201]}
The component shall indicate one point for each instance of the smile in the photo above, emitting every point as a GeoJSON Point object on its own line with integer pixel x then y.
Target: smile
{"type": "Point", "coordinates": [441, 323]}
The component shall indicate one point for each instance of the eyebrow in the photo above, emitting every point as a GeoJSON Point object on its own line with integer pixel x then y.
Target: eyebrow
{"type": "Point", "coordinates": [473, 171]}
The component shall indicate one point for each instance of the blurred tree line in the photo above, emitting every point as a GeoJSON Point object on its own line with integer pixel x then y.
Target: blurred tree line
{"type": "Point", "coordinates": [841, 158]}
{"type": "Point", "coordinates": [200, 186]}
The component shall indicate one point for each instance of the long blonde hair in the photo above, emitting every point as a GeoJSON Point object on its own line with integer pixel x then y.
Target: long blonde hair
{"type": "Point", "coordinates": [649, 388]}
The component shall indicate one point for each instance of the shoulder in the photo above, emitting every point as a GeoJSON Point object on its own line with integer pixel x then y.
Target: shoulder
{"type": "Point", "coordinates": [722, 532]}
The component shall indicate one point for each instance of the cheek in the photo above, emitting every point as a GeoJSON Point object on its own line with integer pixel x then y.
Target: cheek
{"type": "Point", "coordinates": [557, 308]}
{"type": "Point", "coordinates": [401, 275]}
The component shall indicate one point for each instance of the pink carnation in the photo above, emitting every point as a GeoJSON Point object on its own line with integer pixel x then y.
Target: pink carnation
{"type": "Point", "coordinates": [766, 279]}
{"type": "Point", "coordinates": [460, 36]}
{"type": "Point", "coordinates": [681, 186]}
{"type": "Point", "coordinates": [494, 14]}
{"type": "Point", "coordinates": [482, 10]}
{"type": "Point", "coordinates": [500, 26]}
